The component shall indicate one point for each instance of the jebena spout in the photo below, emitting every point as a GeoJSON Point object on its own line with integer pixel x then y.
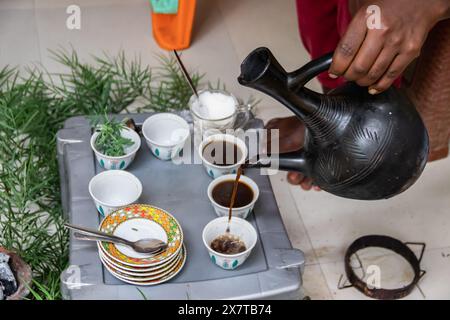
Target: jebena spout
{"type": "Point", "coordinates": [292, 161]}
{"type": "Point", "coordinates": [260, 68]}
{"type": "Point", "coordinates": [261, 71]}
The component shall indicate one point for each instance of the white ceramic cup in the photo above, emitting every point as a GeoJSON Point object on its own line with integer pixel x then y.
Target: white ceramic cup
{"type": "Point", "coordinates": [214, 170]}
{"type": "Point", "coordinates": [241, 212]}
{"type": "Point", "coordinates": [166, 134]}
{"type": "Point", "coordinates": [114, 189]}
{"type": "Point", "coordinates": [238, 227]}
{"type": "Point", "coordinates": [122, 162]}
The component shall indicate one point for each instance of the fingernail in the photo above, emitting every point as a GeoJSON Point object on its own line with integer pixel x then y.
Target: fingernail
{"type": "Point", "coordinates": [373, 91]}
{"type": "Point", "coordinates": [332, 76]}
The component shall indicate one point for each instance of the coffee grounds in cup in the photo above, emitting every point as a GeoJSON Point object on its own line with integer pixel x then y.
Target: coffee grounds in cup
{"type": "Point", "coordinates": [228, 244]}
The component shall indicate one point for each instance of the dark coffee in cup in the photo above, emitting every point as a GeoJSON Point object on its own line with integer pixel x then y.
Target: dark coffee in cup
{"type": "Point", "coordinates": [222, 192]}
{"type": "Point", "coordinates": [222, 153]}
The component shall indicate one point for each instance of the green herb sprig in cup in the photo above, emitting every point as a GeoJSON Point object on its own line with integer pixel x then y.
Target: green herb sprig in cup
{"type": "Point", "coordinates": [109, 140]}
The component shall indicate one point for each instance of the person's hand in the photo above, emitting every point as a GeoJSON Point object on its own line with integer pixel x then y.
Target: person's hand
{"type": "Point", "coordinates": [375, 57]}
{"type": "Point", "coordinates": [291, 138]}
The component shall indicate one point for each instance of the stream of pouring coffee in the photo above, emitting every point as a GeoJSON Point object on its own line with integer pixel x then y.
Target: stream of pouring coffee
{"type": "Point", "coordinates": [233, 197]}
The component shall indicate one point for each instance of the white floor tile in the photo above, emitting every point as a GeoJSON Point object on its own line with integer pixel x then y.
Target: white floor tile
{"type": "Point", "coordinates": [104, 29]}
{"type": "Point", "coordinates": [420, 214]}
{"type": "Point", "coordinates": [85, 3]}
{"type": "Point", "coordinates": [314, 283]}
{"type": "Point", "coordinates": [17, 4]}
{"type": "Point", "coordinates": [435, 283]}
{"type": "Point", "coordinates": [255, 23]}
{"type": "Point", "coordinates": [291, 218]}
{"type": "Point", "coordinates": [211, 51]}
{"type": "Point", "coordinates": [20, 41]}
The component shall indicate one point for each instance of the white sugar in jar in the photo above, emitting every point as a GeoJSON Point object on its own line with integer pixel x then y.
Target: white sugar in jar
{"type": "Point", "coordinates": [214, 105]}
{"type": "Point", "coordinates": [213, 111]}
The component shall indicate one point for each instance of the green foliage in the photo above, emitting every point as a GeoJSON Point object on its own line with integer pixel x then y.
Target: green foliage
{"type": "Point", "coordinates": [30, 209]}
{"type": "Point", "coordinates": [170, 89]}
{"type": "Point", "coordinates": [51, 291]}
{"type": "Point", "coordinates": [110, 84]}
{"type": "Point", "coordinates": [142, 294]}
{"type": "Point", "coordinates": [109, 140]}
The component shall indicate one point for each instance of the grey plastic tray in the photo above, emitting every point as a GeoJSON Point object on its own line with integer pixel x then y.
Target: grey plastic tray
{"type": "Point", "coordinates": [272, 271]}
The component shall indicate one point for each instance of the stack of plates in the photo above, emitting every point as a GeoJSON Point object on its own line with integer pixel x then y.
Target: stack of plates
{"type": "Point", "coordinates": [136, 222]}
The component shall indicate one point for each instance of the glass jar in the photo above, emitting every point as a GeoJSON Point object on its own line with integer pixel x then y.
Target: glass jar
{"type": "Point", "coordinates": [204, 126]}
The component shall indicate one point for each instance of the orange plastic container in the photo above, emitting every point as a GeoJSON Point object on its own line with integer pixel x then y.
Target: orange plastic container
{"type": "Point", "coordinates": [173, 31]}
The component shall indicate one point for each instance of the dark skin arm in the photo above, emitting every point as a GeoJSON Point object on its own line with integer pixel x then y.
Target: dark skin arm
{"type": "Point", "coordinates": [372, 57]}
{"type": "Point", "coordinates": [376, 57]}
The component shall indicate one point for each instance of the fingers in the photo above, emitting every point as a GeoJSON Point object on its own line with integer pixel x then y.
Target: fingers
{"type": "Point", "coordinates": [410, 50]}
{"type": "Point", "coordinates": [379, 62]}
{"type": "Point", "coordinates": [393, 72]}
{"type": "Point", "coordinates": [379, 68]}
{"type": "Point", "coordinates": [365, 58]}
{"type": "Point", "coordinates": [348, 46]}
{"type": "Point", "coordinates": [305, 183]}
{"type": "Point", "coordinates": [295, 178]}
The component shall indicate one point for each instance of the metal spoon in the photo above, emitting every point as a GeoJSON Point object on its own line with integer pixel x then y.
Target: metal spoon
{"type": "Point", "coordinates": [148, 245]}
{"type": "Point", "coordinates": [140, 246]}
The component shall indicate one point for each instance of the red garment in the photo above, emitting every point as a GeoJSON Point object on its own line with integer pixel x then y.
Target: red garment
{"type": "Point", "coordinates": [322, 23]}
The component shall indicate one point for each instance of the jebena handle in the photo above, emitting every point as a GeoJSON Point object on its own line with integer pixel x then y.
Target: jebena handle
{"type": "Point", "coordinates": [298, 78]}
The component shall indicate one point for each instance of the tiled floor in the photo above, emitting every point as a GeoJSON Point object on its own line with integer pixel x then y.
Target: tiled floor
{"type": "Point", "coordinates": [225, 31]}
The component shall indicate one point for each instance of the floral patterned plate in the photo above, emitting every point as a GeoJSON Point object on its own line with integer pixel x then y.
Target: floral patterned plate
{"type": "Point", "coordinates": [124, 267]}
{"type": "Point", "coordinates": [159, 280]}
{"type": "Point", "coordinates": [141, 277]}
{"type": "Point", "coordinates": [140, 273]}
{"type": "Point", "coordinates": [138, 221]}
